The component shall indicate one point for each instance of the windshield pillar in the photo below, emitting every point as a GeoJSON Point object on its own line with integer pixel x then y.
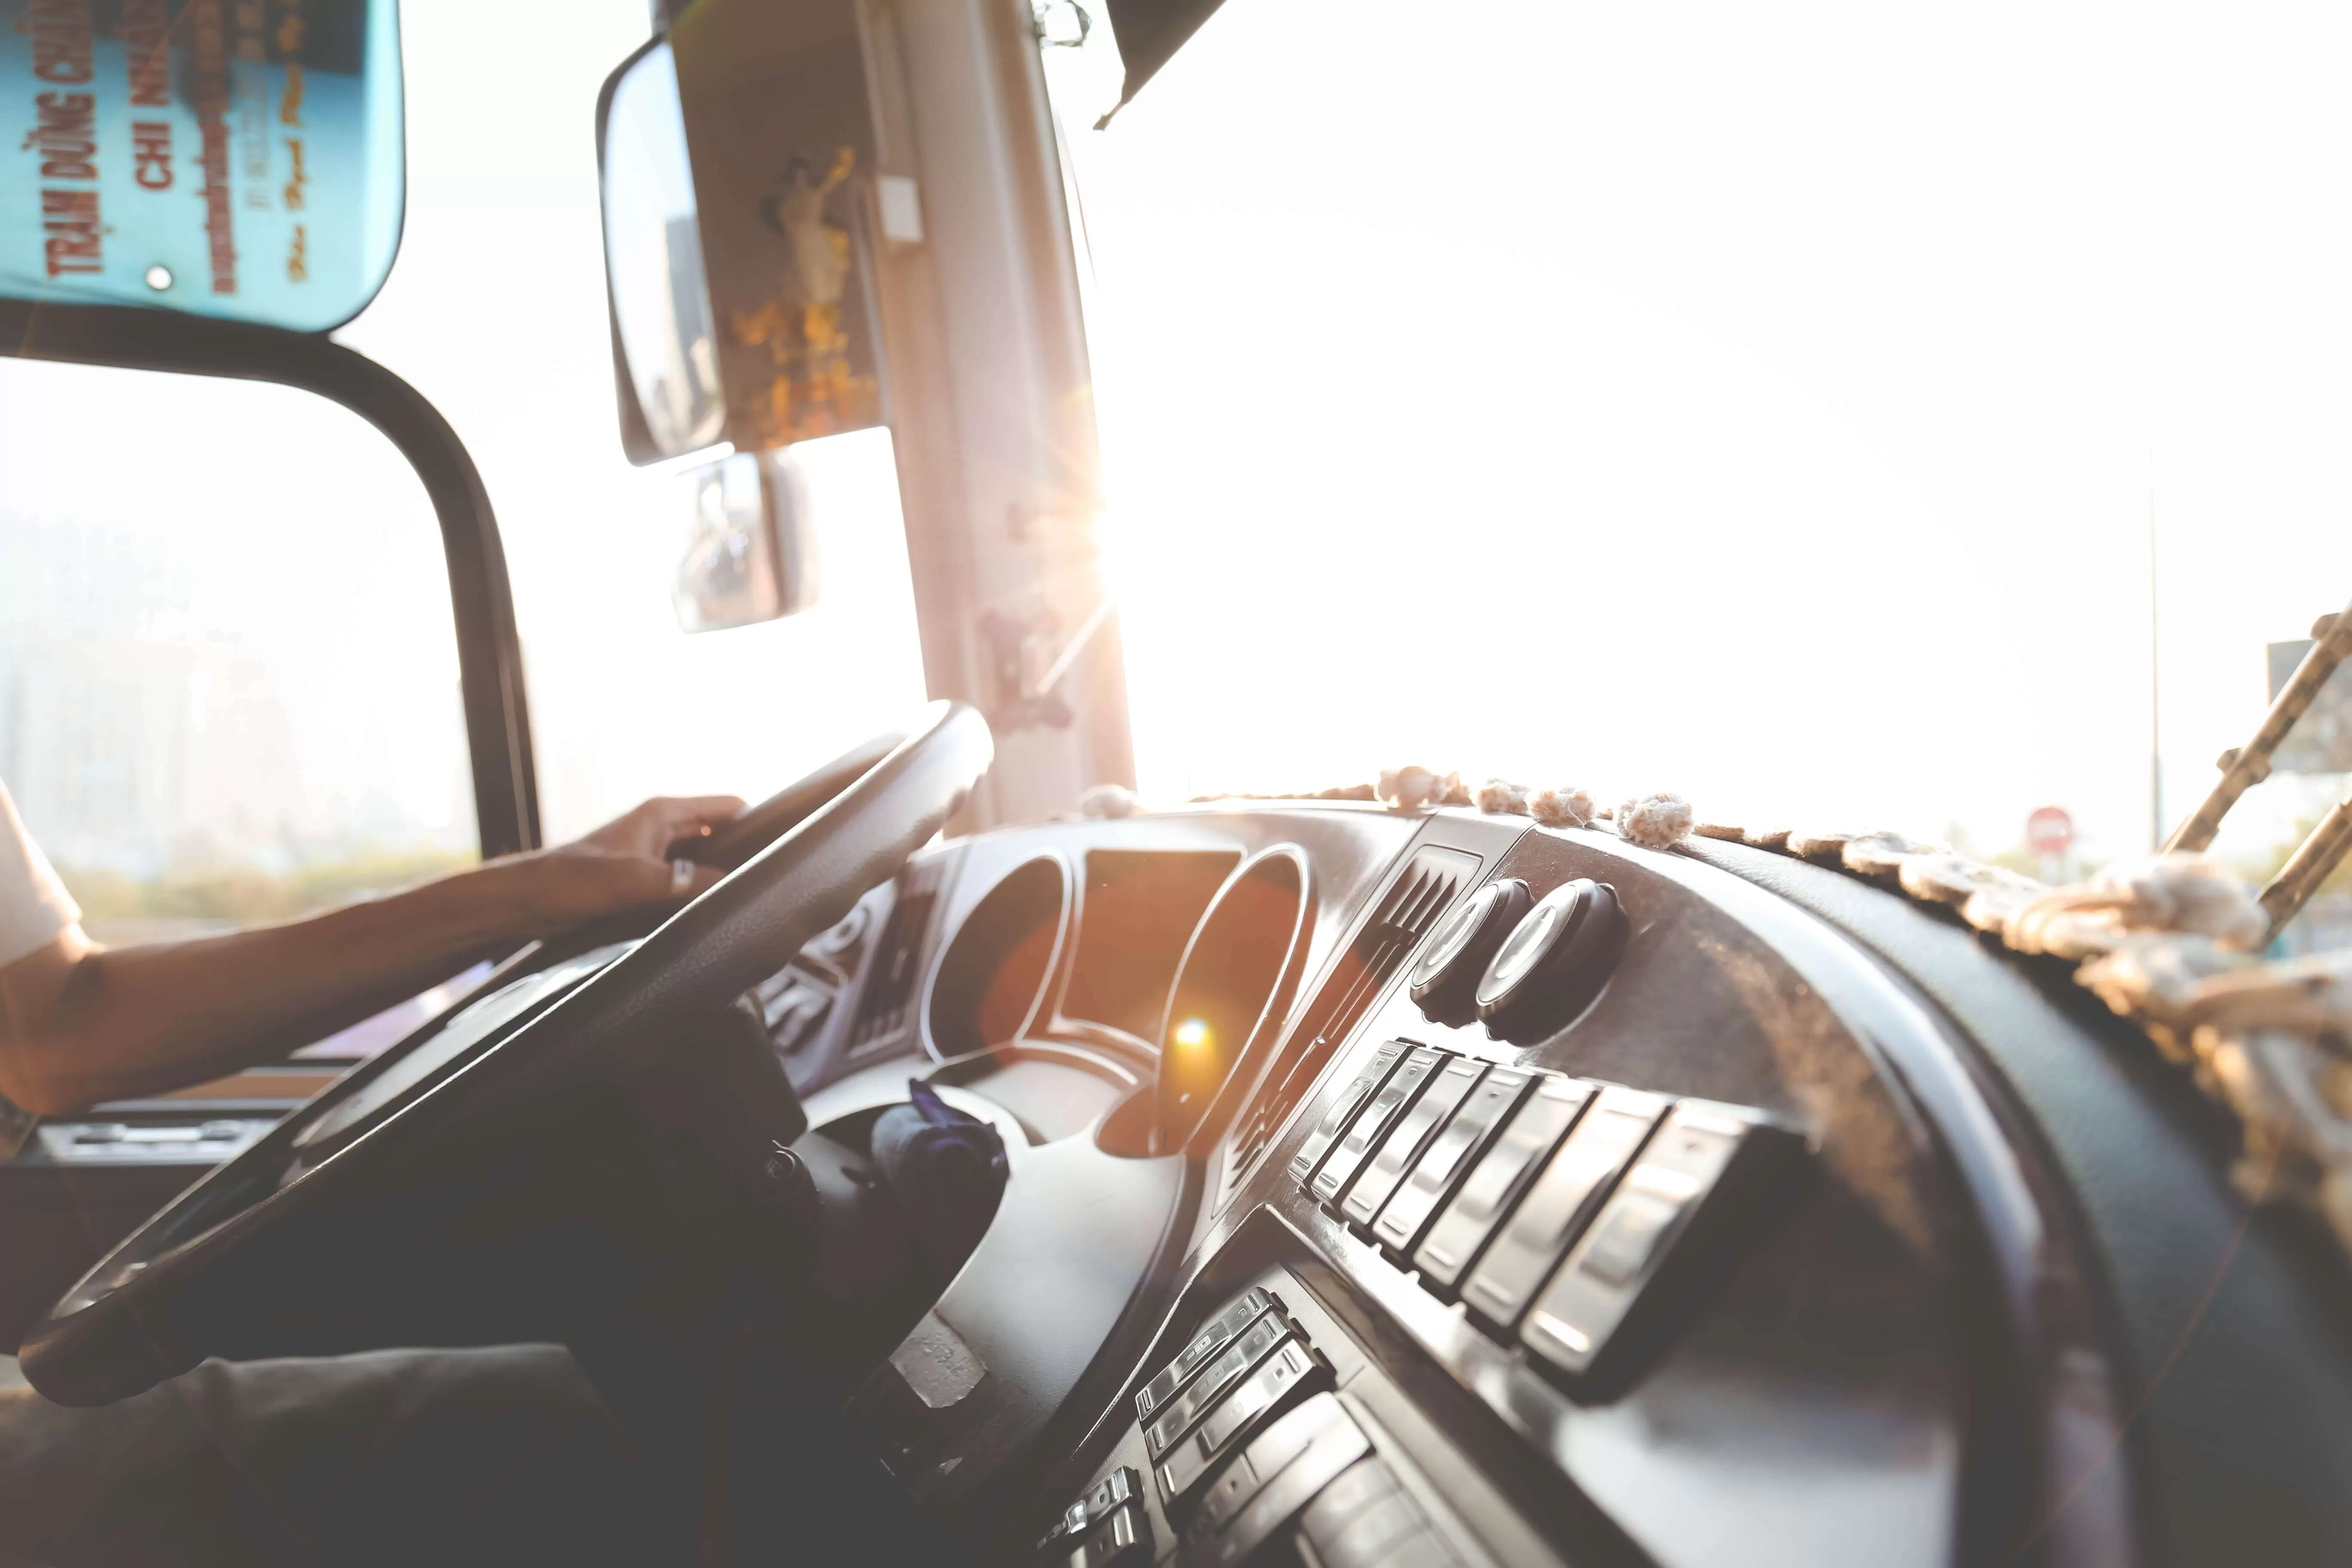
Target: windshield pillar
{"type": "Point", "coordinates": [991, 406]}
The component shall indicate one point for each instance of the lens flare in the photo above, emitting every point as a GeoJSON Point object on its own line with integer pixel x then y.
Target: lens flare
{"type": "Point", "coordinates": [1192, 1034]}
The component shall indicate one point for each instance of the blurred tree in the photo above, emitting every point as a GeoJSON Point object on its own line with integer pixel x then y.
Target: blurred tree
{"type": "Point", "coordinates": [238, 894]}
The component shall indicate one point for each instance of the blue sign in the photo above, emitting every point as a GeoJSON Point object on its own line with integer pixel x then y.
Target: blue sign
{"type": "Point", "coordinates": [231, 158]}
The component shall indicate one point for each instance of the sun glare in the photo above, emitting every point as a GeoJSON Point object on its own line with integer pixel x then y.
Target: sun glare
{"type": "Point", "coordinates": [1610, 412]}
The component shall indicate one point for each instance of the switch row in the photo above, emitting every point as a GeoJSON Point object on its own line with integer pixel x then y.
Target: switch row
{"type": "Point", "coordinates": [1111, 1496]}
{"type": "Point", "coordinates": [1247, 1364]}
{"type": "Point", "coordinates": [1255, 1460]}
{"type": "Point", "coordinates": [1543, 1204]}
{"type": "Point", "coordinates": [1244, 1366]}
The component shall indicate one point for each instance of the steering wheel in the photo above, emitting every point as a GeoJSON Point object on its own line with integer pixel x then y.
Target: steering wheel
{"type": "Point", "coordinates": [595, 1155]}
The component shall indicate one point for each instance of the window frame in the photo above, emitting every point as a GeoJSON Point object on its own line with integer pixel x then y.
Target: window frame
{"type": "Point", "coordinates": [481, 600]}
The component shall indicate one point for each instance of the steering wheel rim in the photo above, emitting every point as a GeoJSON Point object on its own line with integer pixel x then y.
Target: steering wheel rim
{"type": "Point", "coordinates": [169, 1295]}
{"type": "Point", "coordinates": [756, 826]}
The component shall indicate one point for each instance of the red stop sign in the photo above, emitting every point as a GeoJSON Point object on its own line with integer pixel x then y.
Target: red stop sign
{"type": "Point", "coordinates": [2050, 830]}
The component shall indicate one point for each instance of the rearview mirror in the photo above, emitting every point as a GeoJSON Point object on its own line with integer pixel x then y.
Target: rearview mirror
{"type": "Point", "coordinates": [736, 154]}
{"type": "Point", "coordinates": [751, 548]}
{"type": "Point", "coordinates": [229, 160]}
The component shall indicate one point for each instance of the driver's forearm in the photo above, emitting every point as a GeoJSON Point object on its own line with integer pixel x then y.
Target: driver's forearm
{"type": "Point", "coordinates": [141, 1020]}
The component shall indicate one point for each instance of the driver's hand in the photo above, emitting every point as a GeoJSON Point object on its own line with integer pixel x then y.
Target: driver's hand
{"type": "Point", "coordinates": [625, 864]}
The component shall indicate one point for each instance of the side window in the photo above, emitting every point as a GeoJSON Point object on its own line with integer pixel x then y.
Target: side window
{"type": "Point", "coordinates": [228, 675]}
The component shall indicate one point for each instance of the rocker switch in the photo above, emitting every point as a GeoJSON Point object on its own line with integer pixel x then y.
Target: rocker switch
{"type": "Point", "coordinates": [1449, 1158]}
{"type": "Point", "coordinates": [1560, 1203]}
{"type": "Point", "coordinates": [1402, 1147]}
{"type": "Point", "coordinates": [1705, 1158]}
{"type": "Point", "coordinates": [1343, 1108]}
{"type": "Point", "coordinates": [1494, 1184]}
{"type": "Point", "coordinates": [1222, 1331]}
{"type": "Point", "coordinates": [1395, 1098]}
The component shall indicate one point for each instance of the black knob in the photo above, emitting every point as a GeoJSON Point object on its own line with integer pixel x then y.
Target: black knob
{"type": "Point", "coordinates": [1553, 964]}
{"type": "Point", "coordinates": [788, 1186]}
{"type": "Point", "coordinates": [1444, 979]}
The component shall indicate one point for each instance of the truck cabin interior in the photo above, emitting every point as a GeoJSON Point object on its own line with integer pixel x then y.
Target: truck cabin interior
{"type": "Point", "coordinates": [1323, 605]}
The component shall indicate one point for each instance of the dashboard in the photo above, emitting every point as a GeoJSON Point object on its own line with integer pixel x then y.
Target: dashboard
{"type": "Point", "coordinates": [1390, 1187]}
{"type": "Point", "coordinates": [1435, 1187]}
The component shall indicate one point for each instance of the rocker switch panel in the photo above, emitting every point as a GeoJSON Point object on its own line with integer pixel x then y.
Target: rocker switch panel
{"type": "Point", "coordinates": [1122, 1541]}
{"type": "Point", "coordinates": [1285, 1469]}
{"type": "Point", "coordinates": [1177, 1416]}
{"type": "Point", "coordinates": [1121, 1486]}
{"type": "Point", "coordinates": [1284, 1376]}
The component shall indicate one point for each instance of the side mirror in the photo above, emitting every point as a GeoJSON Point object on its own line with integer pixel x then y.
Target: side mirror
{"type": "Point", "coordinates": [240, 161]}
{"type": "Point", "coordinates": [751, 548]}
{"type": "Point", "coordinates": [736, 153]}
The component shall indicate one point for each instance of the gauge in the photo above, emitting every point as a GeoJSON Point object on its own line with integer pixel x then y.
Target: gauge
{"type": "Point", "coordinates": [991, 977]}
{"type": "Point", "coordinates": [1231, 985]}
{"type": "Point", "coordinates": [1553, 964]}
{"type": "Point", "coordinates": [1443, 980]}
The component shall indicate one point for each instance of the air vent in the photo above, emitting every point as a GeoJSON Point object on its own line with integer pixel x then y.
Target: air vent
{"type": "Point", "coordinates": [883, 1004]}
{"type": "Point", "coordinates": [1422, 892]}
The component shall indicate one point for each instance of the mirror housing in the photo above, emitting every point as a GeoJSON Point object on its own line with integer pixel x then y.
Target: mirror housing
{"type": "Point", "coordinates": [736, 159]}
{"type": "Point", "coordinates": [751, 546]}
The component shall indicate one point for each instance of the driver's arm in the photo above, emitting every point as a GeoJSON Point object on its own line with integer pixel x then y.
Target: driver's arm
{"type": "Point", "coordinates": [81, 1023]}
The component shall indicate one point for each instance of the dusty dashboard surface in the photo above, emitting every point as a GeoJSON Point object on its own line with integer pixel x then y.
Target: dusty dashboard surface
{"type": "Point", "coordinates": [1705, 1245]}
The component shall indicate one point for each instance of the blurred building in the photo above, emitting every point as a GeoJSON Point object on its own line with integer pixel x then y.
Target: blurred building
{"type": "Point", "coordinates": [135, 736]}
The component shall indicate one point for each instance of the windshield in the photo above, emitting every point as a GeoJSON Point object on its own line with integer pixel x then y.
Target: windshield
{"type": "Point", "coordinates": [1787, 407]}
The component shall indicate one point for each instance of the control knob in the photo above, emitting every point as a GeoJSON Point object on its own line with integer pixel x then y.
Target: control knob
{"type": "Point", "coordinates": [1553, 964]}
{"type": "Point", "coordinates": [1444, 981]}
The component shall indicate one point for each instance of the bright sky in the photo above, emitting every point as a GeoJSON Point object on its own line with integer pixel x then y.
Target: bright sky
{"type": "Point", "coordinates": [1762, 402]}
